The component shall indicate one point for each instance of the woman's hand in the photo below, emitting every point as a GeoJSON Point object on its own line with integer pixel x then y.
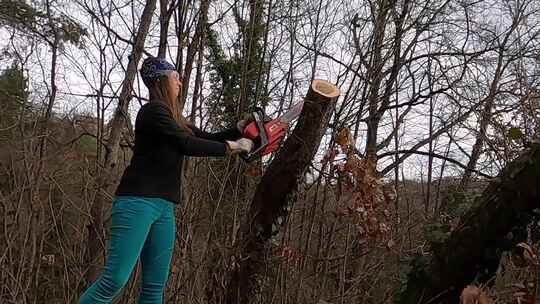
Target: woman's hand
{"type": "Point", "coordinates": [238, 146]}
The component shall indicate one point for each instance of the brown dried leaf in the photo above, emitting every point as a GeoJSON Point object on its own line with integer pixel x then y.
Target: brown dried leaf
{"type": "Point", "coordinates": [344, 139]}
{"type": "Point", "coordinates": [474, 295]}
{"type": "Point", "coordinates": [354, 165]}
{"type": "Point", "coordinates": [367, 203]}
{"type": "Point", "coordinates": [484, 299]}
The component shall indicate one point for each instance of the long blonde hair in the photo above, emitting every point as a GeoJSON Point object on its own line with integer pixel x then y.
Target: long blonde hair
{"type": "Point", "coordinates": [159, 91]}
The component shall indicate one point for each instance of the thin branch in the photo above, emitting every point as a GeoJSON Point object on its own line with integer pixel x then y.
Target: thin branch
{"type": "Point", "coordinates": [448, 159]}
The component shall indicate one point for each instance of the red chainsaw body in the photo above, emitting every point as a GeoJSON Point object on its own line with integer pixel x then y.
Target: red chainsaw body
{"type": "Point", "coordinates": [275, 131]}
{"type": "Point", "coordinates": [268, 133]}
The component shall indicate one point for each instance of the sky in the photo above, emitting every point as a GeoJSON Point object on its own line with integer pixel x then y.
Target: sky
{"type": "Point", "coordinates": [79, 70]}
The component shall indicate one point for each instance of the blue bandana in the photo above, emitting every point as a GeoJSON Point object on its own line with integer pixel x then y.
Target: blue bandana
{"type": "Point", "coordinates": [154, 67]}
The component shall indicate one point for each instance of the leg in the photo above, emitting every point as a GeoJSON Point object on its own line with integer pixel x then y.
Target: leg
{"type": "Point", "coordinates": [156, 256]}
{"type": "Point", "coordinates": [131, 221]}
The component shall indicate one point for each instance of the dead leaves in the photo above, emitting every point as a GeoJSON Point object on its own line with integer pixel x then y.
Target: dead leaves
{"type": "Point", "coordinates": [362, 195]}
{"type": "Point", "coordinates": [344, 139]}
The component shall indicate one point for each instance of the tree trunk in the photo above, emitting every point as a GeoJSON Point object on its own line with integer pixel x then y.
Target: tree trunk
{"type": "Point", "coordinates": [485, 120]}
{"type": "Point", "coordinates": [194, 47]}
{"type": "Point", "coordinates": [486, 114]}
{"type": "Point", "coordinates": [473, 246]}
{"type": "Point", "coordinates": [375, 74]}
{"type": "Point", "coordinates": [106, 180]}
{"type": "Point", "coordinates": [252, 34]}
{"type": "Point", "coordinates": [276, 190]}
{"type": "Point", "coordinates": [164, 20]}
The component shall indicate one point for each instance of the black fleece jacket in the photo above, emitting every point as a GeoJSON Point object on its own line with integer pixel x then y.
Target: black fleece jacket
{"type": "Point", "coordinates": [155, 169]}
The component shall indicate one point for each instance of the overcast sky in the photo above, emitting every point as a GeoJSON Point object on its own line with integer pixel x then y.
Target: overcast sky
{"type": "Point", "coordinates": [79, 69]}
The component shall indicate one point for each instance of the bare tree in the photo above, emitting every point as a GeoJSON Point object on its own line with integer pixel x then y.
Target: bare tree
{"type": "Point", "coordinates": [116, 127]}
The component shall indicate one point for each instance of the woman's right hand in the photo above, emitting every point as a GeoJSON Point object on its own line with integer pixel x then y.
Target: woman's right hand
{"type": "Point", "coordinates": [238, 146]}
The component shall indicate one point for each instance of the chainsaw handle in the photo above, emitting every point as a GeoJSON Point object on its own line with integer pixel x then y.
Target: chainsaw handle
{"type": "Point", "coordinates": [263, 116]}
{"type": "Point", "coordinates": [259, 123]}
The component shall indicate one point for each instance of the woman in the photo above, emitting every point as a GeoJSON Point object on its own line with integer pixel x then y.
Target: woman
{"type": "Point", "coordinates": [142, 214]}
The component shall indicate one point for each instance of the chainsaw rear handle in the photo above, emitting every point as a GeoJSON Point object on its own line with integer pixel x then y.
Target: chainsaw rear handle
{"type": "Point", "coordinates": [259, 133]}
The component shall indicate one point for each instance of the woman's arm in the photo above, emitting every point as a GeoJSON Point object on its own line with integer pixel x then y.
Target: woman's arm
{"type": "Point", "coordinates": [230, 134]}
{"type": "Point", "coordinates": [157, 119]}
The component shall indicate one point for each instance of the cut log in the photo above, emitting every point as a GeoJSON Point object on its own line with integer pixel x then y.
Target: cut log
{"type": "Point", "coordinates": [473, 247]}
{"type": "Point", "coordinates": [277, 189]}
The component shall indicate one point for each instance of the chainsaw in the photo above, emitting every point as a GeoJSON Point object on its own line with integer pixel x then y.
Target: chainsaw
{"type": "Point", "coordinates": [268, 133]}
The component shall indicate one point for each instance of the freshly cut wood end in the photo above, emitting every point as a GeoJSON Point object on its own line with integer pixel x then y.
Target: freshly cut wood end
{"type": "Point", "coordinates": [325, 88]}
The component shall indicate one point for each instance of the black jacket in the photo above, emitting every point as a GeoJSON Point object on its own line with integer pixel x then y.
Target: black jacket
{"type": "Point", "coordinates": [160, 146]}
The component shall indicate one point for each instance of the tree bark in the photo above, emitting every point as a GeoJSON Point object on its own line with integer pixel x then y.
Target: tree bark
{"type": "Point", "coordinates": [472, 247]}
{"type": "Point", "coordinates": [375, 75]}
{"type": "Point", "coordinates": [194, 47]}
{"type": "Point", "coordinates": [277, 189]}
{"type": "Point", "coordinates": [486, 114]}
{"type": "Point", "coordinates": [95, 248]}
{"type": "Point", "coordinates": [164, 20]}
{"type": "Point", "coordinates": [485, 120]}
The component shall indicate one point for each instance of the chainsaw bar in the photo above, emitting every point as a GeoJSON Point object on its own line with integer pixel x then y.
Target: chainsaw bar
{"type": "Point", "coordinates": [292, 113]}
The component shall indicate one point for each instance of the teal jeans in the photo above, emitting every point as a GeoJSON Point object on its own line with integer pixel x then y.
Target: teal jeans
{"type": "Point", "coordinates": [140, 226]}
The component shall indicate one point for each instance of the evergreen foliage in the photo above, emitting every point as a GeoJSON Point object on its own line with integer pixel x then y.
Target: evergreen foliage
{"type": "Point", "coordinates": [233, 78]}
{"type": "Point", "coordinates": [30, 20]}
{"type": "Point", "coordinates": [13, 98]}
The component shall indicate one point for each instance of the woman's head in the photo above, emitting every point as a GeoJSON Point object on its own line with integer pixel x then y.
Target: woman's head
{"type": "Point", "coordinates": [163, 83]}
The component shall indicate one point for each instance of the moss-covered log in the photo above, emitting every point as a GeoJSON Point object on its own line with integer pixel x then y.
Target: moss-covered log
{"type": "Point", "coordinates": [473, 248]}
{"type": "Point", "coordinates": [269, 205]}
